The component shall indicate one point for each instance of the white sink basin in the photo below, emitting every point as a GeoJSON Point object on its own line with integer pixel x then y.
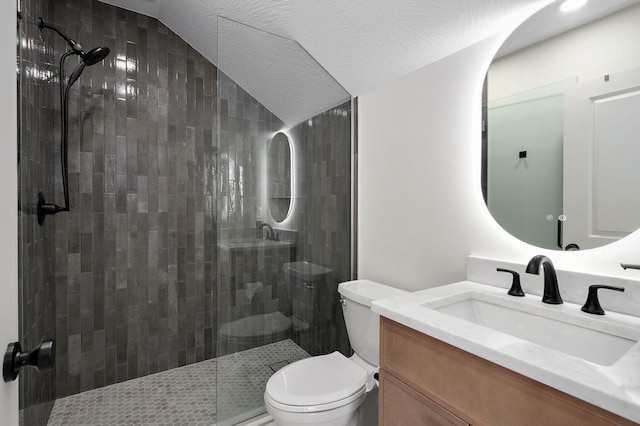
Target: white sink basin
{"type": "Point", "coordinates": [600, 343]}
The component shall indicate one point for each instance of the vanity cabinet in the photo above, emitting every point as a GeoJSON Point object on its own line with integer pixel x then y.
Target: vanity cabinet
{"type": "Point", "coordinates": [426, 381]}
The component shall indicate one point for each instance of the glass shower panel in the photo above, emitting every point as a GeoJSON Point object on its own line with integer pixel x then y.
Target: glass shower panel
{"type": "Point", "coordinates": [277, 274]}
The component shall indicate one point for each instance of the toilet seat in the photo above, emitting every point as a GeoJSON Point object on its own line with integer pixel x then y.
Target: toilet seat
{"type": "Point", "coordinates": [319, 383]}
{"type": "Point", "coordinates": [314, 408]}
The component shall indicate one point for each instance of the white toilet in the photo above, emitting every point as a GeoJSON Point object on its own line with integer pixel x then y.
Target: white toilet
{"type": "Point", "coordinates": [330, 389]}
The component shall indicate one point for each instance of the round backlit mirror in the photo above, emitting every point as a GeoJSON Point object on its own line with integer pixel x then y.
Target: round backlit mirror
{"type": "Point", "coordinates": [561, 137]}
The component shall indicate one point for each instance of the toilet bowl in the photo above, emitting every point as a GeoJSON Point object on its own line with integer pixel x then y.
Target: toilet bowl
{"type": "Point", "coordinates": [330, 389]}
{"type": "Point", "coordinates": [325, 389]}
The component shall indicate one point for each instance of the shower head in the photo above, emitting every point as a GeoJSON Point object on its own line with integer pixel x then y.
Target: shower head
{"type": "Point", "coordinates": [92, 57]}
{"type": "Point", "coordinates": [95, 55]}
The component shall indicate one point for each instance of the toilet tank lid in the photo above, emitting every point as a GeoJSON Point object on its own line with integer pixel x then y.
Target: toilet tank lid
{"type": "Point", "coordinates": [366, 291]}
{"type": "Point", "coordinates": [306, 270]}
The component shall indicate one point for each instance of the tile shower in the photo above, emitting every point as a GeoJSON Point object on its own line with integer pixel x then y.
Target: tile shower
{"type": "Point", "coordinates": [131, 255]}
{"type": "Point", "coordinates": [128, 281]}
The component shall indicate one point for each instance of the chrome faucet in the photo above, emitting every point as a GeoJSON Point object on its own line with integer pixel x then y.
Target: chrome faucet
{"type": "Point", "coordinates": [270, 234]}
{"type": "Point", "coordinates": [551, 293]}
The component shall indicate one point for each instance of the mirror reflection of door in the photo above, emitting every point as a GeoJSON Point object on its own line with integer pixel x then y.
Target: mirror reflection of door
{"type": "Point", "coordinates": [279, 175]}
{"type": "Point", "coordinates": [602, 136]}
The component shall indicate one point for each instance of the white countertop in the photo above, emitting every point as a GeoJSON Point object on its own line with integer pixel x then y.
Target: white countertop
{"type": "Point", "coordinates": [615, 388]}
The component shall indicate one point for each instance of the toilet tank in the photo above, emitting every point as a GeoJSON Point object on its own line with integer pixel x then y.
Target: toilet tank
{"type": "Point", "coordinates": [363, 325]}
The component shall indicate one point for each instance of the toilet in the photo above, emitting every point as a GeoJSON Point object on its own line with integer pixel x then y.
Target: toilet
{"type": "Point", "coordinates": [331, 389]}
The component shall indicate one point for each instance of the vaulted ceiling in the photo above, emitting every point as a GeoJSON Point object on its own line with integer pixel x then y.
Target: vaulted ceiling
{"type": "Point", "coordinates": [362, 44]}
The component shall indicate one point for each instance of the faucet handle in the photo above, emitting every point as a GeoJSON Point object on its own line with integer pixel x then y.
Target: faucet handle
{"type": "Point", "coordinates": [516, 289]}
{"type": "Point", "coordinates": [592, 305]}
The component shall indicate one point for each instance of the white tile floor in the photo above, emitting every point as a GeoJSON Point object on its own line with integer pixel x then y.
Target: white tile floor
{"type": "Point", "coordinates": [182, 396]}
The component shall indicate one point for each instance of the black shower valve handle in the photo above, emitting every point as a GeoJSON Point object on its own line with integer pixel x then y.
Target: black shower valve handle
{"type": "Point", "coordinates": [516, 288]}
{"type": "Point", "coordinates": [42, 358]}
{"type": "Point", "coordinates": [45, 209]}
{"type": "Point", "coordinates": [592, 305]}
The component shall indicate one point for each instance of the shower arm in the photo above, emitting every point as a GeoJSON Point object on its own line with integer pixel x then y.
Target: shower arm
{"type": "Point", "coordinates": [76, 48]}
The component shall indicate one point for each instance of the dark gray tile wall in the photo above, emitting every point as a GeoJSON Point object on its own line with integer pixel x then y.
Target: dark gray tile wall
{"type": "Point", "coordinates": [36, 244]}
{"type": "Point", "coordinates": [135, 259]}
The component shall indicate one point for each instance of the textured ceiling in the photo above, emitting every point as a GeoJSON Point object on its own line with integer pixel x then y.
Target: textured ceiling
{"type": "Point", "coordinates": [276, 71]}
{"type": "Point", "coordinates": [362, 44]}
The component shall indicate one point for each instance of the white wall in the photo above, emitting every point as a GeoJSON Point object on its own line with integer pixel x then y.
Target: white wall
{"type": "Point", "coordinates": [421, 210]}
{"type": "Point", "coordinates": [8, 195]}
{"type": "Point", "coordinates": [588, 52]}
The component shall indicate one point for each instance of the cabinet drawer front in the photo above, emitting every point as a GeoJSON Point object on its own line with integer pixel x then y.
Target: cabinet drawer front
{"type": "Point", "coordinates": [401, 405]}
{"type": "Point", "coordinates": [477, 390]}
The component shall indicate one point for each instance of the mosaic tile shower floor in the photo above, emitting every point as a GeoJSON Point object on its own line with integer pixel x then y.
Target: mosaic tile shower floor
{"type": "Point", "coordinates": [182, 396]}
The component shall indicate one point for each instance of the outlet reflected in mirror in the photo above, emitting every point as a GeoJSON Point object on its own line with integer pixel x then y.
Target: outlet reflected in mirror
{"type": "Point", "coordinates": [279, 176]}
